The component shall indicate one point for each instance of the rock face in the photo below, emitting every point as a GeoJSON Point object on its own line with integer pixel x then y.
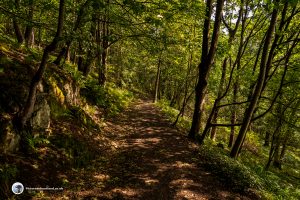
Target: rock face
{"type": "Point", "coordinates": [65, 90]}
{"type": "Point", "coordinates": [9, 139]}
{"type": "Point", "coordinates": [40, 119]}
{"type": "Point", "coordinates": [72, 94]}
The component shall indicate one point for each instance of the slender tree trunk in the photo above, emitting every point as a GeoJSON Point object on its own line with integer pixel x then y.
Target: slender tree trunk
{"type": "Point", "coordinates": [157, 79]}
{"type": "Point", "coordinates": [120, 66]}
{"type": "Point", "coordinates": [258, 89]}
{"type": "Point", "coordinates": [273, 145]}
{"type": "Point", "coordinates": [277, 162]}
{"type": "Point", "coordinates": [39, 39]}
{"type": "Point", "coordinates": [16, 25]}
{"type": "Point", "coordinates": [233, 114]}
{"type": "Point", "coordinates": [221, 87]}
{"type": "Point", "coordinates": [29, 39]}
{"type": "Point", "coordinates": [267, 139]}
{"type": "Point", "coordinates": [105, 34]}
{"type": "Point", "coordinates": [186, 96]}
{"type": "Point", "coordinates": [181, 112]}
{"type": "Point", "coordinates": [77, 24]}
{"type": "Point", "coordinates": [204, 67]}
{"type": "Point", "coordinates": [62, 54]}
{"type": "Point", "coordinates": [232, 33]}
{"type": "Point", "coordinates": [80, 64]}
{"type": "Point", "coordinates": [29, 106]}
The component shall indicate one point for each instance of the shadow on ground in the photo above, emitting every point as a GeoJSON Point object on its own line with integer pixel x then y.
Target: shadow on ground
{"type": "Point", "coordinates": [152, 161]}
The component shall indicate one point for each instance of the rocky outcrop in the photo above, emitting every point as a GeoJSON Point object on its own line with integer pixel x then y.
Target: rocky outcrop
{"type": "Point", "coordinates": [65, 90]}
{"type": "Point", "coordinates": [40, 120]}
{"type": "Point", "coordinates": [72, 93]}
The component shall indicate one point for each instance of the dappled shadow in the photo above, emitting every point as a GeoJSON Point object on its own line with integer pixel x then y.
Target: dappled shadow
{"type": "Point", "coordinates": [152, 161]}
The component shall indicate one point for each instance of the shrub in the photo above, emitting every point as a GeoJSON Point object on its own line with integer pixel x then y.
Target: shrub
{"type": "Point", "coordinates": [112, 99]}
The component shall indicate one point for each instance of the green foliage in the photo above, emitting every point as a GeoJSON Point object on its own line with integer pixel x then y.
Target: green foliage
{"type": "Point", "coordinates": [141, 35]}
{"type": "Point", "coordinates": [77, 153]}
{"type": "Point", "coordinates": [76, 113]}
{"type": "Point", "coordinates": [35, 142]}
{"type": "Point", "coordinates": [172, 113]}
{"type": "Point", "coordinates": [229, 170]}
{"type": "Point", "coordinates": [80, 116]}
{"type": "Point", "coordinates": [112, 99]}
{"type": "Point", "coordinates": [58, 110]}
{"type": "Point", "coordinates": [77, 75]}
{"type": "Point", "coordinates": [276, 184]}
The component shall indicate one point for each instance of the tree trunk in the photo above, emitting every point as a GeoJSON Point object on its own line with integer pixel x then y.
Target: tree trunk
{"type": "Point", "coordinates": [267, 139]}
{"type": "Point", "coordinates": [29, 39]}
{"type": "Point", "coordinates": [62, 54]}
{"type": "Point", "coordinates": [220, 92]}
{"type": "Point", "coordinates": [232, 33]}
{"type": "Point", "coordinates": [277, 162]}
{"type": "Point", "coordinates": [233, 114]}
{"type": "Point", "coordinates": [29, 106]}
{"type": "Point", "coordinates": [258, 89]}
{"type": "Point", "coordinates": [16, 25]}
{"type": "Point", "coordinates": [207, 58]}
{"type": "Point", "coordinates": [105, 34]}
{"type": "Point", "coordinates": [157, 79]}
{"type": "Point", "coordinates": [65, 50]}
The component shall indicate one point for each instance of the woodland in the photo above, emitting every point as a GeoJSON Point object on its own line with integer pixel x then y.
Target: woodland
{"type": "Point", "coordinates": [150, 99]}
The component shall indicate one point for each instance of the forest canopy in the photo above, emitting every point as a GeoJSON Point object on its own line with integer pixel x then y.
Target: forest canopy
{"type": "Point", "coordinates": [226, 72]}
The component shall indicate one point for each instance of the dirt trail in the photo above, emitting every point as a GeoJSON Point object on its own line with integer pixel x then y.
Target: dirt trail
{"type": "Point", "coordinates": [153, 161]}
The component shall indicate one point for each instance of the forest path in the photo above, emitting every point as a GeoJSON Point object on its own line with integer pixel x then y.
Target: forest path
{"type": "Point", "coordinates": [154, 161]}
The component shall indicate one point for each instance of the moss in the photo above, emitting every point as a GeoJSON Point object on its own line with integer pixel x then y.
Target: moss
{"type": "Point", "coordinates": [57, 92]}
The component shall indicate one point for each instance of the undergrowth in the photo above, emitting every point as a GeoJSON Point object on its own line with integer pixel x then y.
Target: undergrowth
{"type": "Point", "coordinates": [248, 171]}
{"type": "Point", "coordinates": [8, 173]}
{"type": "Point", "coordinates": [183, 122]}
{"type": "Point", "coordinates": [111, 98]}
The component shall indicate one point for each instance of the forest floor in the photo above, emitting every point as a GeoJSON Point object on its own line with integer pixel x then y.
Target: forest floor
{"type": "Point", "coordinates": [137, 155]}
{"type": "Point", "coordinates": [152, 160]}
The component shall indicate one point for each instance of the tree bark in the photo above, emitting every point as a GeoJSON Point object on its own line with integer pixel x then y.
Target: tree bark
{"type": "Point", "coordinates": [204, 67]}
{"type": "Point", "coordinates": [233, 114]}
{"type": "Point", "coordinates": [29, 39]}
{"type": "Point", "coordinates": [16, 25]}
{"type": "Point", "coordinates": [29, 106]}
{"type": "Point", "coordinates": [157, 80]}
{"type": "Point", "coordinates": [267, 139]}
{"type": "Point", "coordinates": [105, 45]}
{"type": "Point", "coordinates": [78, 22]}
{"type": "Point", "coordinates": [221, 87]}
{"type": "Point", "coordinates": [258, 89]}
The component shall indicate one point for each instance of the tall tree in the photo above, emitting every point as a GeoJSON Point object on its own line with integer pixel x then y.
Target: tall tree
{"type": "Point", "coordinates": [37, 78]}
{"type": "Point", "coordinates": [259, 85]}
{"type": "Point", "coordinates": [207, 58]}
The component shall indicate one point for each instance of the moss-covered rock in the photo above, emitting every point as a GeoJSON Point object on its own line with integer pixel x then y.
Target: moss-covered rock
{"type": "Point", "coordinates": [40, 120]}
